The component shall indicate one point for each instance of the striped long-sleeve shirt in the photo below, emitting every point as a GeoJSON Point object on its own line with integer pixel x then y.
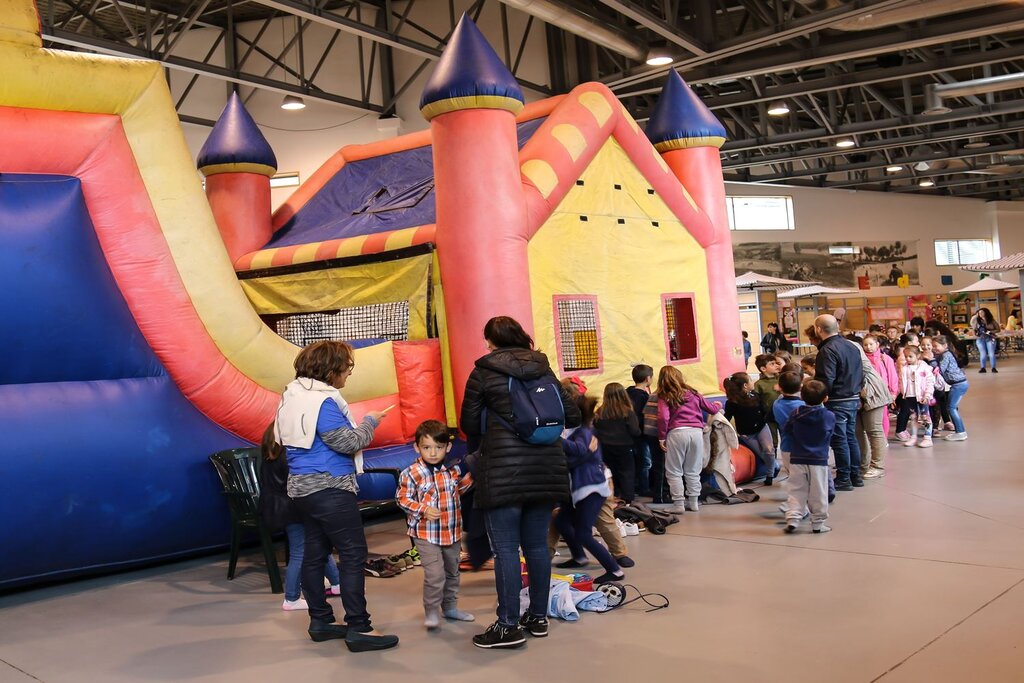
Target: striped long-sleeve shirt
{"type": "Point", "coordinates": [438, 486]}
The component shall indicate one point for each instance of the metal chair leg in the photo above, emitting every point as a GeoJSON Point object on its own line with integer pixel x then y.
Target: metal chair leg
{"type": "Point", "coordinates": [236, 542]}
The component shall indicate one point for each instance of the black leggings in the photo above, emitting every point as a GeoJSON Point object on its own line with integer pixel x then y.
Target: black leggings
{"type": "Point", "coordinates": [621, 462]}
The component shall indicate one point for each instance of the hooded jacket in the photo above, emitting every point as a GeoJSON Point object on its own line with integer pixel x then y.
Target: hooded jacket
{"type": "Point", "coordinates": [811, 430]}
{"type": "Point", "coordinates": [510, 471]}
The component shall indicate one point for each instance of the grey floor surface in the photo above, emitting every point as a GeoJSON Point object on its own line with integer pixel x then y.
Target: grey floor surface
{"type": "Point", "coordinates": [922, 579]}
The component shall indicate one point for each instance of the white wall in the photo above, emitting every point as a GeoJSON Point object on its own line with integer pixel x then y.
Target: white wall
{"type": "Point", "coordinates": [830, 215]}
{"type": "Point", "coordinates": [1007, 220]}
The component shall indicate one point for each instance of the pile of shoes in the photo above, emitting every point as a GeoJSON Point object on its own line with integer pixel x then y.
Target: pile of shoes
{"type": "Point", "coordinates": [386, 566]}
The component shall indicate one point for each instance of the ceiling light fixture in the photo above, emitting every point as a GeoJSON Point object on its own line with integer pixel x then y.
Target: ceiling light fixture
{"type": "Point", "coordinates": [292, 102]}
{"type": "Point", "coordinates": [976, 143]}
{"type": "Point", "coordinates": [659, 56]}
{"type": "Point", "coordinates": [845, 143]}
{"type": "Point", "coordinates": [893, 169]}
{"type": "Point", "coordinates": [926, 183]}
{"type": "Point", "coordinates": [778, 108]}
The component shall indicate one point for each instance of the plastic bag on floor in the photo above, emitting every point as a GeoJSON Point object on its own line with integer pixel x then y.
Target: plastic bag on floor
{"type": "Point", "coordinates": [565, 602]}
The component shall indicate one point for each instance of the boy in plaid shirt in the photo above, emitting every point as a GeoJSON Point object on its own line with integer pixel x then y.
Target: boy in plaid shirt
{"type": "Point", "coordinates": [429, 491]}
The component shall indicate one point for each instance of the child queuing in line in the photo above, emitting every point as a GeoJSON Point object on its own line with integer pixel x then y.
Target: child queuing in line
{"type": "Point", "coordinates": [809, 428]}
{"type": "Point", "coordinates": [617, 428]}
{"type": "Point", "coordinates": [681, 436]}
{"type": "Point", "coordinates": [939, 408]}
{"type": "Point", "coordinates": [638, 395]}
{"type": "Point", "coordinates": [590, 489]}
{"type": "Point", "coordinates": [917, 384]}
{"type": "Point", "coordinates": [790, 383]}
{"type": "Point", "coordinates": [767, 389]}
{"type": "Point", "coordinates": [745, 409]}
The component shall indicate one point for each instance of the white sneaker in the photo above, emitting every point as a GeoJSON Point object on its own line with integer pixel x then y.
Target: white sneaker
{"type": "Point", "coordinates": [334, 590]}
{"type": "Point", "coordinates": [294, 605]}
{"type": "Point", "coordinates": [874, 473]}
{"type": "Point", "coordinates": [677, 509]}
{"type": "Point", "coordinates": [823, 530]}
{"type": "Point", "coordinates": [691, 504]}
{"type": "Point", "coordinates": [622, 527]}
{"type": "Point", "coordinates": [912, 441]}
{"type": "Point", "coordinates": [631, 529]}
{"type": "Point", "coordinates": [432, 620]}
{"type": "Point", "coordinates": [957, 436]}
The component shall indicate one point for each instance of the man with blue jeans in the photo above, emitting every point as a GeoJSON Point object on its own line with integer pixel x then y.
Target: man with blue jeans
{"type": "Point", "coordinates": [838, 365]}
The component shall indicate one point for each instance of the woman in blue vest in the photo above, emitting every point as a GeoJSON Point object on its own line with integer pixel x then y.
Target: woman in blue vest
{"type": "Point", "coordinates": [324, 447]}
{"type": "Point", "coordinates": [517, 483]}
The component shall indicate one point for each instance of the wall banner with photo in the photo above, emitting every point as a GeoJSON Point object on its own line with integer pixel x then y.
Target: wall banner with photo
{"type": "Point", "coordinates": [840, 264]}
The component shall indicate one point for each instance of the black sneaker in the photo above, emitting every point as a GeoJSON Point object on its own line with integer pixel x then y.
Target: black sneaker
{"type": "Point", "coordinates": [535, 626]}
{"type": "Point", "coordinates": [844, 486]}
{"type": "Point", "coordinates": [625, 561]}
{"type": "Point", "coordinates": [995, 371]}
{"type": "Point", "coordinates": [982, 371]}
{"type": "Point", "coordinates": [857, 483]}
{"type": "Point", "coordinates": [498, 636]}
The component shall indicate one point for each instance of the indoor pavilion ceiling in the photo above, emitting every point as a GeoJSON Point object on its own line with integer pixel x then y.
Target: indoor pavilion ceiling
{"type": "Point", "coordinates": [846, 69]}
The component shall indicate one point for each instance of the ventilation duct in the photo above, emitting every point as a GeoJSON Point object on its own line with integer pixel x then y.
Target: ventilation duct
{"type": "Point", "coordinates": [934, 94]}
{"type": "Point", "coordinates": [581, 26]}
{"type": "Point", "coordinates": [914, 11]}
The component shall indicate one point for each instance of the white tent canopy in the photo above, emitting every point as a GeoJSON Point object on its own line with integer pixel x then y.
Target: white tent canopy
{"type": "Point", "coordinates": [988, 284]}
{"type": "Point", "coordinates": [812, 290]}
{"type": "Point", "coordinates": [752, 280]}
{"type": "Point", "coordinates": [1011, 262]}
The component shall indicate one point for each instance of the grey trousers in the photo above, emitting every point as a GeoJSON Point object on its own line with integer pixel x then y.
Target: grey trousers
{"type": "Point", "coordinates": [684, 458]}
{"type": "Point", "coordinates": [808, 489]}
{"type": "Point", "coordinates": [871, 436]}
{"type": "Point", "coordinates": [440, 574]}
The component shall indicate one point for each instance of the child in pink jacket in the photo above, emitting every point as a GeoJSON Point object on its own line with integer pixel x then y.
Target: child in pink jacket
{"type": "Point", "coordinates": [886, 369]}
{"type": "Point", "coordinates": [917, 383]}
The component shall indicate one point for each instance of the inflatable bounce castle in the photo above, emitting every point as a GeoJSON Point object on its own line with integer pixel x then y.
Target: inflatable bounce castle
{"type": "Point", "coordinates": [149, 325]}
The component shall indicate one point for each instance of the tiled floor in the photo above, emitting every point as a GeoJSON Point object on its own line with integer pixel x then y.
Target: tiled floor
{"type": "Point", "coordinates": [922, 579]}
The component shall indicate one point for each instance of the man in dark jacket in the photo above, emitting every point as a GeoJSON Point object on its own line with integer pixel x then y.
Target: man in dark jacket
{"type": "Point", "coordinates": [517, 483]}
{"type": "Point", "coordinates": [838, 366]}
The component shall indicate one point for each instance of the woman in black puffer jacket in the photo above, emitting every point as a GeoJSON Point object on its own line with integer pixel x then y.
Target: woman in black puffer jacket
{"type": "Point", "coordinates": [517, 484]}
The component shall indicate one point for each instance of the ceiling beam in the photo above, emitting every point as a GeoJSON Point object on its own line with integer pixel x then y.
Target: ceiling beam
{"type": "Point", "coordinates": [976, 180]}
{"type": "Point", "coordinates": [862, 78]}
{"type": "Point", "coordinates": [310, 12]}
{"type": "Point", "coordinates": [882, 162]}
{"type": "Point", "coordinates": [870, 127]}
{"type": "Point", "coordinates": [967, 27]}
{"type": "Point", "coordinates": [212, 70]}
{"type": "Point", "coordinates": [657, 25]}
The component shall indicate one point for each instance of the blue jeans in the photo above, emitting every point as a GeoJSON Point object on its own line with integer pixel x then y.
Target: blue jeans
{"type": "Point", "coordinates": [956, 394]}
{"type": "Point", "coordinates": [844, 440]}
{"type": "Point", "coordinates": [762, 446]}
{"type": "Point", "coordinates": [986, 349]}
{"type": "Point", "coordinates": [511, 528]}
{"type": "Point", "coordinates": [296, 534]}
{"type": "Point", "coordinates": [332, 520]}
{"type": "Point", "coordinates": [576, 524]}
{"type": "Point", "coordinates": [643, 467]}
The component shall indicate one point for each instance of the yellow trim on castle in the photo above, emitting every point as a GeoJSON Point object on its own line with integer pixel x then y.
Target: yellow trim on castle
{"type": "Point", "coordinates": [450, 104]}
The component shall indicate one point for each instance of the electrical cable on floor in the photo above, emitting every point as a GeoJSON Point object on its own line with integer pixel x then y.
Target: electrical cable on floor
{"type": "Point", "coordinates": [618, 591]}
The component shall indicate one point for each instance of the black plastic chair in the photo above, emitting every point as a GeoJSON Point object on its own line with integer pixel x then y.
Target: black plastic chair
{"type": "Point", "coordinates": [237, 471]}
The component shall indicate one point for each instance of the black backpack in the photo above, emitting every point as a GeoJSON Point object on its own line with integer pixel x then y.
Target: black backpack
{"type": "Point", "coordinates": [538, 416]}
